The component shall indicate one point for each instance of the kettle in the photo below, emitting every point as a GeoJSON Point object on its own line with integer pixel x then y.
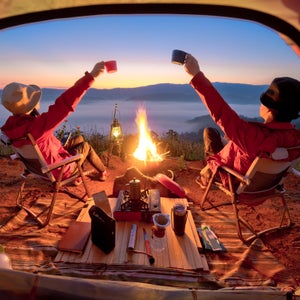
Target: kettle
{"type": "Point", "coordinates": [135, 189]}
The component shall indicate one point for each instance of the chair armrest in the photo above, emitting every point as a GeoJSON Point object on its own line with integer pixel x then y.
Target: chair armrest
{"type": "Point", "coordinates": [236, 174]}
{"type": "Point", "coordinates": [64, 162]}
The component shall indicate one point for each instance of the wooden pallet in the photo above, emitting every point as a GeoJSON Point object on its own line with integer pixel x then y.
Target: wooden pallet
{"type": "Point", "coordinates": [181, 253]}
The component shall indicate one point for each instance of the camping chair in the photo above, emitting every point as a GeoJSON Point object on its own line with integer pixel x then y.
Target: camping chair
{"type": "Point", "coordinates": [263, 180]}
{"type": "Point", "coordinates": [35, 164]}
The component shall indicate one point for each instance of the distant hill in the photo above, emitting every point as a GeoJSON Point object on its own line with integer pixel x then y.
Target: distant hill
{"type": "Point", "coordinates": [234, 93]}
{"type": "Point", "coordinates": [206, 121]}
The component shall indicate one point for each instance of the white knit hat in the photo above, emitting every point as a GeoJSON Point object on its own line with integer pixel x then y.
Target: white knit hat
{"type": "Point", "coordinates": [19, 98]}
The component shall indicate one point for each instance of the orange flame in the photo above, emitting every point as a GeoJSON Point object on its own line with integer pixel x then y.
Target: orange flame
{"type": "Point", "coordinates": [146, 150]}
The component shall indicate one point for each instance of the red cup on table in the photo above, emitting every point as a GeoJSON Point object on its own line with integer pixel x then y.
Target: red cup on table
{"type": "Point", "coordinates": [111, 66]}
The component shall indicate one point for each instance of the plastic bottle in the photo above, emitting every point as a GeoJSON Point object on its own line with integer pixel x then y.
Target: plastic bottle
{"type": "Point", "coordinates": [5, 262]}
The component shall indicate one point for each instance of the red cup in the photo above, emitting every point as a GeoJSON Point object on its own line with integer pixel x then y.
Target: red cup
{"type": "Point", "coordinates": [111, 66]}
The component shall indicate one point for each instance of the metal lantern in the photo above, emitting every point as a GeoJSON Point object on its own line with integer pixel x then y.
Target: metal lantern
{"type": "Point", "coordinates": [116, 135]}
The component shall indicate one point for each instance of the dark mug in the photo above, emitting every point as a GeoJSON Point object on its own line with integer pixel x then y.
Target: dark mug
{"type": "Point", "coordinates": [178, 57]}
{"type": "Point", "coordinates": [178, 218]}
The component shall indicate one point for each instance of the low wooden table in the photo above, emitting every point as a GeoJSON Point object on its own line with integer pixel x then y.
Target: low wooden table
{"type": "Point", "coordinates": [181, 253]}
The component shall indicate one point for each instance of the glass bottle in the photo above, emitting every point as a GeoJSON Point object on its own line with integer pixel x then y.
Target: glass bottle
{"type": "Point", "coordinates": [158, 242]}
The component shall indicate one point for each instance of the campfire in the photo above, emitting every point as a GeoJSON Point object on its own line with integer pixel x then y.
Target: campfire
{"type": "Point", "coordinates": [145, 179]}
{"type": "Point", "coordinates": [147, 149]}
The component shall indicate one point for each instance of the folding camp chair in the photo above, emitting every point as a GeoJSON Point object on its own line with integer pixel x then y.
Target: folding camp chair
{"type": "Point", "coordinates": [263, 180]}
{"type": "Point", "coordinates": [35, 164]}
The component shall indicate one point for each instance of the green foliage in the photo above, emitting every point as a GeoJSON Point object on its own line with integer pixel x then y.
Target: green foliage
{"type": "Point", "coordinates": [99, 142]}
{"type": "Point", "coordinates": [178, 146]}
{"type": "Point", "coordinates": [60, 132]}
{"type": "Point", "coordinates": [5, 150]}
{"type": "Point", "coordinates": [171, 143]}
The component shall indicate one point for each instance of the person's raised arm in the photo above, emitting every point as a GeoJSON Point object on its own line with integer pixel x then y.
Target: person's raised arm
{"type": "Point", "coordinates": [191, 65]}
{"type": "Point", "coordinates": [67, 101]}
{"type": "Point", "coordinates": [228, 120]}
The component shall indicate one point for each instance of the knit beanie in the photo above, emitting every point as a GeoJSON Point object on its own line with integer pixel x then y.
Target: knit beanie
{"type": "Point", "coordinates": [288, 103]}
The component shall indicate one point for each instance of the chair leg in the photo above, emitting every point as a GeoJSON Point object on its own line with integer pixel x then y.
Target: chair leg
{"type": "Point", "coordinates": [88, 194]}
{"type": "Point", "coordinates": [51, 207]}
{"type": "Point", "coordinates": [19, 199]}
{"type": "Point", "coordinates": [239, 221]}
{"type": "Point", "coordinates": [57, 187]}
{"type": "Point", "coordinates": [255, 234]}
{"type": "Point", "coordinates": [19, 204]}
{"type": "Point", "coordinates": [286, 213]}
{"type": "Point", "coordinates": [205, 195]}
{"type": "Point", "coordinates": [285, 217]}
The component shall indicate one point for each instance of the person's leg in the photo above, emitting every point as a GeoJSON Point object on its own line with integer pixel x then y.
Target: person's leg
{"type": "Point", "coordinates": [212, 141]}
{"type": "Point", "coordinates": [73, 141]}
{"type": "Point", "coordinates": [212, 144]}
{"type": "Point", "coordinates": [91, 156]}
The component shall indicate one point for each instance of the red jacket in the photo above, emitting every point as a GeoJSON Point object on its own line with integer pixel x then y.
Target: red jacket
{"type": "Point", "coordinates": [42, 127]}
{"type": "Point", "coordinates": [246, 139]}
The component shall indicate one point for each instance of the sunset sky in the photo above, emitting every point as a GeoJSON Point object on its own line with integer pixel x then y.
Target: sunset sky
{"type": "Point", "coordinates": [56, 53]}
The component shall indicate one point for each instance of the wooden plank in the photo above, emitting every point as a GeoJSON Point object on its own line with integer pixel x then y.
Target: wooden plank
{"type": "Point", "coordinates": [86, 253]}
{"type": "Point", "coordinates": [140, 259]}
{"type": "Point", "coordinates": [200, 261]}
{"type": "Point", "coordinates": [191, 250]}
{"type": "Point", "coordinates": [173, 255]}
{"type": "Point", "coordinates": [125, 239]}
{"type": "Point", "coordinates": [178, 258]}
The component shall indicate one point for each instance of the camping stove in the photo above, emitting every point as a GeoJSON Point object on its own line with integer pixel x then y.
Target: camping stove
{"type": "Point", "coordinates": [137, 205]}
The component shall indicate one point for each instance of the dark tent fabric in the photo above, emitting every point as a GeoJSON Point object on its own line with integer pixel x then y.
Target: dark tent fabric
{"type": "Point", "coordinates": [281, 15]}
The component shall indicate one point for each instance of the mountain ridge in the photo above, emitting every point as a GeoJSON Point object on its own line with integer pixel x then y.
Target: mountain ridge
{"type": "Point", "coordinates": [234, 93]}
